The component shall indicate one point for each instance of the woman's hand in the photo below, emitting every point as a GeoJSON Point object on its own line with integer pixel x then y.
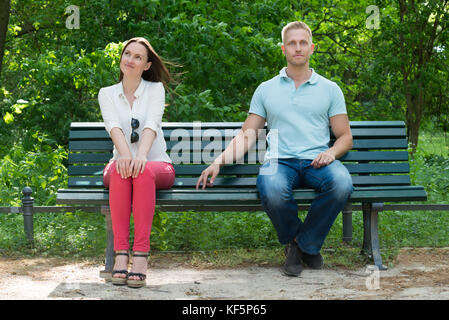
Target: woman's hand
{"type": "Point", "coordinates": [137, 165]}
{"type": "Point", "coordinates": [123, 166]}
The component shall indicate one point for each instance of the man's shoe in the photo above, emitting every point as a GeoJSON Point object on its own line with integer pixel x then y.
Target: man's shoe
{"type": "Point", "coordinates": [314, 261]}
{"type": "Point", "coordinates": [292, 266]}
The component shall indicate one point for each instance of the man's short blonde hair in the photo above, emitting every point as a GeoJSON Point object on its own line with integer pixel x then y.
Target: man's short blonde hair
{"type": "Point", "coordinates": [296, 25]}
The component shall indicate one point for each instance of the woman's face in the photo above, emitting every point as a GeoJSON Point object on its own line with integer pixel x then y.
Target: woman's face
{"type": "Point", "coordinates": [134, 60]}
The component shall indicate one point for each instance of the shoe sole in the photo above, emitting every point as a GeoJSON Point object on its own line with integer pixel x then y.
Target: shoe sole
{"type": "Point", "coordinates": [289, 274]}
{"type": "Point", "coordinates": [136, 283]}
{"type": "Point", "coordinates": [118, 281]}
{"type": "Point", "coordinates": [314, 268]}
{"type": "Point", "coordinates": [106, 275]}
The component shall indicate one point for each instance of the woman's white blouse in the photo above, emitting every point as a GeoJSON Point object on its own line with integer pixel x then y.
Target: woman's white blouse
{"type": "Point", "coordinates": [148, 108]}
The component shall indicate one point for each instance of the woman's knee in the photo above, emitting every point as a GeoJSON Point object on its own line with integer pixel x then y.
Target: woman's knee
{"type": "Point", "coordinates": [160, 173]}
{"type": "Point", "coordinates": [110, 174]}
{"type": "Point", "coordinates": [147, 174]}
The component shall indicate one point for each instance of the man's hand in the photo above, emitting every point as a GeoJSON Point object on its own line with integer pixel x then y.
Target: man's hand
{"type": "Point", "coordinates": [246, 137]}
{"type": "Point", "coordinates": [323, 159]}
{"type": "Point", "coordinates": [212, 171]}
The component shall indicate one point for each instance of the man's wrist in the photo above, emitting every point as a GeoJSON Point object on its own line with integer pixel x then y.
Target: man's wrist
{"type": "Point", "coordinates": [333, 153]}
{"type": "Point", "coordinates": [218, 162]}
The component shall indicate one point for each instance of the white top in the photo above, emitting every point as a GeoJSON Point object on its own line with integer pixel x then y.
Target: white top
{"type": "Point", "coordinates": [148, 108]}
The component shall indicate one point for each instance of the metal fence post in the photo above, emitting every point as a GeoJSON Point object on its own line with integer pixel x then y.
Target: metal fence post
{"type": "Point", "coordinates": [27, 210]}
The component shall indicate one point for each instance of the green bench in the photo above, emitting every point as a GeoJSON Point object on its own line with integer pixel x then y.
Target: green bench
{"type": "Point", "coordinates": [378, 164]}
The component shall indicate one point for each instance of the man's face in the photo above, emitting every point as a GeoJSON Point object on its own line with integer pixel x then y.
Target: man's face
{"type": "Point", "coordinates": [297, 47]}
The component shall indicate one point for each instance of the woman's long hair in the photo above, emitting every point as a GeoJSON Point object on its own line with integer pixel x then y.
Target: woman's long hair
{"type": "Point", "coordinates": [157, 72]}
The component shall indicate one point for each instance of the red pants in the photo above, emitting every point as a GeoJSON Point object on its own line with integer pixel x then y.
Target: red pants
{"type": "Point", "coordinates": [140, 193]}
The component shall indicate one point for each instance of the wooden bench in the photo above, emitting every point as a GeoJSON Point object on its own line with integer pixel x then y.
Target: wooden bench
{"type": "Point", "coordinates": [378, 164]}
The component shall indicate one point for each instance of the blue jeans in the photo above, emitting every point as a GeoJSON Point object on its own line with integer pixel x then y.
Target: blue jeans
{"type": "Point", "coordinates": [276, 180]}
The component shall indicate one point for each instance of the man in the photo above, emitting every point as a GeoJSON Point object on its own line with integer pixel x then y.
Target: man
{"type": "Point", "coordinates": [299, 106]}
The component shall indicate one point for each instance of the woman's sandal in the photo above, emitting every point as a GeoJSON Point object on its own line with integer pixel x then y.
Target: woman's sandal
{"type": "Point", "coordinates": [118, 280]}
{"type": "Point", "coordinates": [142, 277]}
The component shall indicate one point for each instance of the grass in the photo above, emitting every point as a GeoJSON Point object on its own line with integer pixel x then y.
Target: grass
{"type": "Point", "coordinates": [233, 239]}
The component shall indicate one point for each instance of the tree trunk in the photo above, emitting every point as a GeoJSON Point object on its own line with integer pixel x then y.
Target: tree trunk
{"type": "Point", "coordinates": [415, 107]}
{"type": "Point", "coordinates": [413, 123]}
{"type": "Point", "coordinates": [4, 20]}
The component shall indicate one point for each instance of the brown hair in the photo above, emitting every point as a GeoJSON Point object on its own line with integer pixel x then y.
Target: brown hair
{"type": "Point", "coordinates": [157, 72]}
{"type": "Point", "coordinates": [296, 25]}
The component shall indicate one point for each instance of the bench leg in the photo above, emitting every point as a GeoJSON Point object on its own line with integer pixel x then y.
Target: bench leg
{"type": "Point", "coordinates": [347, 222]}
{"type": "Point", "coordinates": [109, 264]}
{"type": "Point", "coordinates": [370, 232]}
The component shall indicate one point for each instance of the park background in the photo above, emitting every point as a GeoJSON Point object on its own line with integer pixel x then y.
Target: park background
{"type": "Point", "coordinates": [390, 58]}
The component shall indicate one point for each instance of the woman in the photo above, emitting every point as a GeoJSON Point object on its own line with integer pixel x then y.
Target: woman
{"type": "Point", "coordinates": [132, 113]}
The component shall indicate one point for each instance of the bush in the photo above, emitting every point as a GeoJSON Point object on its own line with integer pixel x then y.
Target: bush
{"type": "Point", "coordinates": [32, 162]}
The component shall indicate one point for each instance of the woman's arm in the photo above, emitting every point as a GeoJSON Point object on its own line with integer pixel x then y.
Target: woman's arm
{"type": "Point", "coordinates": [155, 111]}
{"type": "Point", "coordinates": [123, 163]}
{"type": "Point", "coordinates": [138, 164]}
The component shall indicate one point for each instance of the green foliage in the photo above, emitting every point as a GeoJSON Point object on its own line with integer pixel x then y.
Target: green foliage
{"type": "Point", "coordinates": [35, 164]}
{"type": "Point", "coordinates": [60, 87]}
{"type": "Point", "coordinates": [70, 234]}
{"type": "Point", "coordinates": [213, 231]}
{"type": "Point", "coordinates": [430, 166]}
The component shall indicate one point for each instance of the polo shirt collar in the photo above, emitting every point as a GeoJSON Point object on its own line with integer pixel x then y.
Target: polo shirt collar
{"type": "Point", "coordinates": [137, 93]}
{"type": "Point", "coordinates": [312, 80]}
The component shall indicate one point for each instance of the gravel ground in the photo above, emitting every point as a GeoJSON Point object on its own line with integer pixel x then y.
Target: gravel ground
{"type": "Point", "coordinates": [416, 274]}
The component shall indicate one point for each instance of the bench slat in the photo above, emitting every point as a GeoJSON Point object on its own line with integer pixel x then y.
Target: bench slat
{"type": "Point", "coordinates": [375, 156]}
{"type": "Point", "coordinates": [87, 182]}
{"type": "Point", "coordinates": [238, 197]}
{"type": "Point", "coordinates": [218, 146]}
{"type": "Point", "coordinates": [96, 145]}
{"type": "Point", "coordinates": [246, 170]}
{"type": "Point", "coordinates": [353, 124]}
{"type": "Point", "coordinates": [254, 156]}
{"type": "Point", "coordinates": [84, 158]}
{"type": "Point", "coordinates": [189, 146]}
{"type": "Point", "coordinates": [179, 133]}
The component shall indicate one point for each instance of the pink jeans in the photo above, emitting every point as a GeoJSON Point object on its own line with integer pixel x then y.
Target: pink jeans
{"type": "Point", "coordinates": [140, 194]}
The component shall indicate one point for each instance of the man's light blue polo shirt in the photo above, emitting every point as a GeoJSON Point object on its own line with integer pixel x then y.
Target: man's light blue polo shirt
{"type": "Point", "coordinates": [300, 116]}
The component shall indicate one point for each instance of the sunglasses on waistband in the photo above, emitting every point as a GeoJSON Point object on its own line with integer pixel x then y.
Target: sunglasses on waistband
{"type": "Point", "coordinates": [134, 135]}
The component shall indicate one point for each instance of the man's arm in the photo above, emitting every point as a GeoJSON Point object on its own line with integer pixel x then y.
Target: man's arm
{"type": "Point", "coordinates": [343, 143]}
{"type": "Point", "coordinates": [246, 137]}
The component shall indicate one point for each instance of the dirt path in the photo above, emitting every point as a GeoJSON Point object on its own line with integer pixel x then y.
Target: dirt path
{"type": "Point", "coordinates": [417, 274]}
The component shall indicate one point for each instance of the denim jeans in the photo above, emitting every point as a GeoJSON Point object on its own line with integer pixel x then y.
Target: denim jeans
{"type": "Point", "coordinates": [276, 180]}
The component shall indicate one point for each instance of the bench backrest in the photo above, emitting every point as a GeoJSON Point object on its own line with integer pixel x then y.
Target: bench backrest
{"type": "Point", "coordinates": [379, 155]}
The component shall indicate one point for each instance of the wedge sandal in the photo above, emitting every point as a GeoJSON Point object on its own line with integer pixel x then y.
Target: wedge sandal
{"type": "Point", "coordinates": [116, 280]}
{"type": "Point", "coordinates": [132, 283]}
